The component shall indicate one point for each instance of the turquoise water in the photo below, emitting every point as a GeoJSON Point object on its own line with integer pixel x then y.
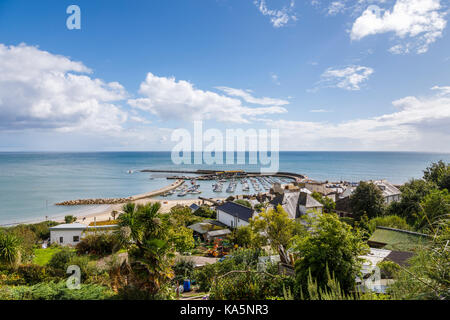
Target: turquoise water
{"type": "Point", "coordinates": [30, 183]}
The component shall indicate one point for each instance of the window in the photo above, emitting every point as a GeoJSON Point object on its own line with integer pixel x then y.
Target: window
{"type": "Point", "coordinates": [76, 238]}
{"type": "Point", "coordinates": [61, 239]}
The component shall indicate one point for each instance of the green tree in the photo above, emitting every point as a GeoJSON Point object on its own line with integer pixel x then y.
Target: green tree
{"type": "Point", "coordinates": [435, 206]}
{"type": "Point", "coordinates": [273, 226]}
{"type": "Point", "coordinates": [439, 174]}
{"type": "Point", "coordinates": [182, 238]}
{"type": "Point", "coordinates": [367, 199]}
{"type": "Point", "coordinates": [413, 192]}
{"type": "Point", "coordinates": [329, 244]}
{"type": "Point", "coordinates": [10, 247]}
{"type": "Point", "coordinates": [244, 237]}
{"type": "Point", "coordinates": [70, 219]}
{"type": "Point", "coordinates": [328, 204]}
{"type": "Point", "coordinates": [149, 250]}
{"type": "Point", "coordinates": [205, 212]}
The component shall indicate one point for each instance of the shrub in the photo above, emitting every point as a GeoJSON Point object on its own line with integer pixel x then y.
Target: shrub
{"type": "Point", "coordinates": [205, 212]}
{"type": "Point", "coordinates": [388, 269]}
{"type": "Point", "coordinates": [70, 219]}
{"type": "Point", "coordinates": [60, 260]}
{"type": "Point", "coordinates": [388, 221]}
{"type": "Point", "coordinates": [56, 291]}
{"type": "Point", "coordinates": [99, 244]}
{"type": "Point", "coordinates": [244, 203]}
{"type": "Point", "coordinates": [184, 269]}
{"type": "Point", "coordinates": [32, 274]}
{"type": "Point", "coordinates": [250, 285]}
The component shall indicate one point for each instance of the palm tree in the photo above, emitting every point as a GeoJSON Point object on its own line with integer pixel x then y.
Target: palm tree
{"type": "Point", "coordinates": [149, 251]}
{"type": "Point", "coordinates": [9, 249]}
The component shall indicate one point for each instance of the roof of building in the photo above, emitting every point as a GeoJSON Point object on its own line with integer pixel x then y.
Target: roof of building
{"type": "Point", "coordinates": [398, 240]}
{"type": "Point", "coordinates": [218, 233]}
{"type": "Point", "coordinates": [375, 256]}
{"type": "Point", "coordinates": [70, 226]}
{"type": "Point", "coordinates": [347, 192]}
{"type": "Point", "coordinates": [400, 257]}
{"type": "Point", "coordinates": [387, 188]}
{"type": "Point", "coordinates": [204, 227]}
{"type": "Point", "coordinates": [308, 201]}
{"type": "Point", "coordinates": [194, 206]}
{"type": "Point", "coordinates": [236, 210]}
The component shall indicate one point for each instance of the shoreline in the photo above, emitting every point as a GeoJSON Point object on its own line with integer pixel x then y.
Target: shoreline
{"type": "Point", "coordinates": [104, 214]}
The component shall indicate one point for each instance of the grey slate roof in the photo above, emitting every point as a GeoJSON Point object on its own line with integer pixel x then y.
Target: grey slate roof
{"type": "Point", "coordinates": [291, 201]}
{"type": "Point", "coordinates": [387, 188]}
{"type": "Point", "coordinates": [308, 201]}
{"type": "Point", "coordinates": [194, 206]}
{"type": "Point", "coordinates": [236, 210]}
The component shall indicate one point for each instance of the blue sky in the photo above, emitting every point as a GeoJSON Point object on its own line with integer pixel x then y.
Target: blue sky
{"type": "Point", "coordinates": [330, 75]}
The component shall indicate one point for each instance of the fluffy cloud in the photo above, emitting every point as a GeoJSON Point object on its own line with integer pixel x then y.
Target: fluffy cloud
{"type": "Point", "coordinates": [421, 123]}
{"type": "Point", "coordinates": [419, 23]}
{"type": "Point", "coordinates": [348, 78]}
{"type": "Point", "coordinates": [42, 90]}
{"type": "Point", "coordinates": [172, 99]}
{"type": "Point", "coordinates": [278, 18]}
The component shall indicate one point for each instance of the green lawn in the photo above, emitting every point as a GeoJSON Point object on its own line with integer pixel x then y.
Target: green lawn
{"type": "Point", "coordinates": [43, 256]}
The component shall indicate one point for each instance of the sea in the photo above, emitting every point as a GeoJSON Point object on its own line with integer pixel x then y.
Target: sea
{"type": "Point", "coordinates": [32, 182]}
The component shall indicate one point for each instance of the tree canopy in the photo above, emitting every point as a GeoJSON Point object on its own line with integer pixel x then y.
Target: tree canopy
{"type": "Point", "coordinates": [367, 199]}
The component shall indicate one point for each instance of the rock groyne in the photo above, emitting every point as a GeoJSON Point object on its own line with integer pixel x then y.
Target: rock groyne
{"type": "Point", "coordinates": [94, 201]}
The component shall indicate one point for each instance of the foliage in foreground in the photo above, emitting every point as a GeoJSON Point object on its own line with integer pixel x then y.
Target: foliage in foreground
{"type": "Point", "coordinates": [428, 276]}
{"type": "Point", "coordinates": [329, 244]}
{"type": "Point", "coordinates": [55, 291]}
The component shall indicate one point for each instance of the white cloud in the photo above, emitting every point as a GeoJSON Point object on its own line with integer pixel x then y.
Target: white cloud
{"type": "Point", "coordinates": [336, 7]}
{"type": "Point", "coordinates": [278, 18]}
{"type": "Point", "coordinates": [348, 78]}
{"type": "Point", "coordinates": [319, 111]}
{"type": "Point", "coordinates": [171, 99]}
{"type": "Point", "coordinates": [417, 23]}
{"type": "Point", "coordinates": [247, 97]}
{"type": "Point", "coordinates": [420, 124]}
{"type": "Point", "coordinates": [42, 90]}
{"type": "Point", "coordinates": [442, 90]}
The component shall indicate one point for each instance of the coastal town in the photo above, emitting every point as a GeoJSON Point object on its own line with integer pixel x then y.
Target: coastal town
{"type": "Point", "coordinates": [209, 236]}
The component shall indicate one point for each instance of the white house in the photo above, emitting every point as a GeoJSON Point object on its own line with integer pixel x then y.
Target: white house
{"type": "Point", "coordinates": [233, 214]}
{"type": "Point", "coordinates": [67, 234]}
{"type": "Point", "coordinates": [71, 234]}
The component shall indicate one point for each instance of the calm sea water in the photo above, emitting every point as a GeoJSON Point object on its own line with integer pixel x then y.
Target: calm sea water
{"type": "Point", "coordinates": [30, 183]}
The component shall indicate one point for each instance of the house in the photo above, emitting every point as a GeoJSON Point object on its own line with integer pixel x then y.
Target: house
{"type": "Point", "coordinates": [390, 192]}
{"type": "Point", "coordinates": [397, 239]}
{"type": "Point", "coordinates": [307, 203]}
{"type": "Point", "coordinates": [233, 214]}
{"type": "Point", "coordinates": [72, 233]}
{"type": "Point", "coordinates": [297, 204]}
{"type": "Point", "coordinates": [67, 234]}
